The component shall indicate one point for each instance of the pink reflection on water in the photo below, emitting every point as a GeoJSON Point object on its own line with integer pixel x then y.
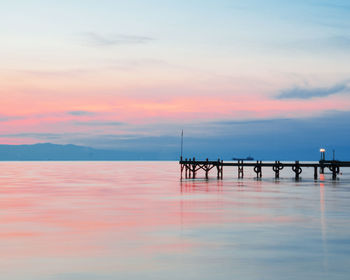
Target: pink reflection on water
{"type": "Point", "coordinates": [56, 203]}
{"type": "Point", "coordinates": [119, 211]}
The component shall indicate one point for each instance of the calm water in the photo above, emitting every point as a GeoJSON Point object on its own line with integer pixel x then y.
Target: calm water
{"type": "Point", "coordinates": [137, 220]}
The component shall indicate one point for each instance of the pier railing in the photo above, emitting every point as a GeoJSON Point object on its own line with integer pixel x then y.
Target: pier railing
{"type": "Point", "coordinates": [191, 166]}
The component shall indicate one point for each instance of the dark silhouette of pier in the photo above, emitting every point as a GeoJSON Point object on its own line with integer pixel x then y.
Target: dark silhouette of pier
{"type": "Point", "coordinates": [192, 166]}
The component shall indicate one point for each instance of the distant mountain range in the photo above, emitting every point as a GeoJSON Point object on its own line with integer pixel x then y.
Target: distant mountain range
{"type": "Point", "coordinates": [48, 151]}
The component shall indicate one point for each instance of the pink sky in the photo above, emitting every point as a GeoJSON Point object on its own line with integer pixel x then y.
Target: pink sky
{"type": "Point", "coordinates": [112, 69]}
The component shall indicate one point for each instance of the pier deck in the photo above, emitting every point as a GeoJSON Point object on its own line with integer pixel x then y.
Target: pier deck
{"type": "Point", "coordinates": [192, 166]}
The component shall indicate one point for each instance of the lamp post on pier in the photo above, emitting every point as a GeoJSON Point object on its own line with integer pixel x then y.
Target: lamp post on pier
{"type": "Point", "coordinates": [323, 154]}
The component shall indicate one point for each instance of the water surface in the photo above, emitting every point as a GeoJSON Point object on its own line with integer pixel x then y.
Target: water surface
{"type": "Point", "coordinates": [138, 220]}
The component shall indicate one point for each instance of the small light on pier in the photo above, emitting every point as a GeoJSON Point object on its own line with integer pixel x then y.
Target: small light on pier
{"type": "Point", "coordinates": [323, 154]}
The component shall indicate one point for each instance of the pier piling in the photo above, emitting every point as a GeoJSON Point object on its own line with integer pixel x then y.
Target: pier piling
{"type": "Point", "coordinates": [240, 169]}
{"type": "Point", "coordinates": [315, 172]}
{"type": "Point", "coordinates": [258, 169]}
{"type": "Point", "coordinates": [321, 167]}
{"type": "Point", "coordinates": [220, 169]}
{"type": "Point", "coordinates": [207, 170]}
{"type": "Point", "coordinates": [297, 170]}
{"type": "Point", "coordinates": [277, 167]}
{"type": "Point", "coordinates": [194, 169]}
{"type": "Point", "coordinates": [335, 170]}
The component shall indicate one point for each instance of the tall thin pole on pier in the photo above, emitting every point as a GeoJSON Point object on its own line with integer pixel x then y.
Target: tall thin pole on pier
{"type": "Point", "coordinates": [182, 142]}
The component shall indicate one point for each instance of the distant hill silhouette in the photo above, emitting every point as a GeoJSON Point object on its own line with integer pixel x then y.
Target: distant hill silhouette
{"type": "Point", "coordinates": [48, 151]}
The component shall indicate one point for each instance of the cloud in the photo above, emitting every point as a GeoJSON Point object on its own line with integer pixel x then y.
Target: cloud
{"type": "Point", "coordinates": [81, 276]}
{"type": "Point", "coordinates": [4, 118]}
{"type": "Point", "coordinates": [131, 64]}
{"type": "Point", "coordinates": [96, 39]}
{"type": "Point", "coordinates": [338, 6]}
{"type": "Point", "coordinates": [308, 93]}
{"type": "Point", "coordinates": [54, 73]}
{"type": "Point", "coordinates": [81, 113]}
{"type": "Point", "coordinates": [99, 123]}
{"type": "Point", "coordinates": [317, 45]}
{"type": "Point", "coordinates": [51, 136]}
{"type": "Point", "coordinates": [340, 41]}
{"type": "Point", "coordinates": [246, 122]}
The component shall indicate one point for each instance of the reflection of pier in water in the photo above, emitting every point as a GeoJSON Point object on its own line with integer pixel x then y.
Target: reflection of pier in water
{"type": "Point", "coordinates": [192, 166]}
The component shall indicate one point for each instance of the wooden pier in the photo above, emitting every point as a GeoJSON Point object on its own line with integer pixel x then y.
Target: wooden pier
{"type": "Point", "coordinates": [191, 167]}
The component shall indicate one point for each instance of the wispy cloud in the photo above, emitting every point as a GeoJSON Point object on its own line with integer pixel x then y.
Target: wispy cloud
{"type": "Point", "coordinates": [308, 93]}
{"type": "Point", "coordinates": [332, 5]}
{"type": "Point", "coordinates": [97, 39]}
{"type": "Point", "coordinates": [247, 122]}
{"type": "Point", "coordinates": [132, 64]}
{"type": "Point", "coordinates": [320, 44]}
{"type": "Point", "coordinates": [4, 118]}
{"type": "Point", "coordinates": [50, 136]}
{"type": "Point", "coordinates": [81, 113]}
{"type": "Point", "coordinates": [99, 123]}
{"type": "Point", "coordinates": [339, 41]}
{"type": "Point", "coordinates": [53, 73]}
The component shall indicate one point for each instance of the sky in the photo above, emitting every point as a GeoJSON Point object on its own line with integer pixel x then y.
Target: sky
{"type": "Point", "coordinates": [236, 76]}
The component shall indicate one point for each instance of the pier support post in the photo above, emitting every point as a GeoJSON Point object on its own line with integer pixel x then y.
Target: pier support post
{"type": "Point", "coordinates": [258, 169]}
{"type": "Point", "coordinates": [277, 167]}
{"type": "Point", "coordinates": [334, 173]}
{"type": "Point", "coordinates": [297, 169]}
{"type": "Point", "coordinates": [207, 170]}
{"type": "Point", "coordinates": [321, 168]}
{"type": "Point", "coordinates": [315, 172]}
{"type": "Point", "coordinates": [194, 169]}
{"type": "Point", "coordinates": [240, 169]}
{"type": "Point", "coordinates": [220, 169]}
{"type": "Point", "coordinates": [335, 170]}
